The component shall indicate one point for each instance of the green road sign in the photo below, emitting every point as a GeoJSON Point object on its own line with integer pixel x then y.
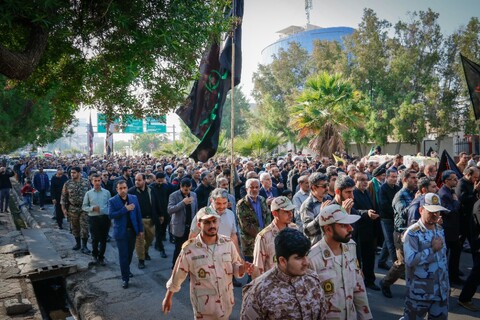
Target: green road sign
{"type": "Point", "coordinates": [156, 125]}
{"type": "Point", "coordinates": [132, 124]}
{"type": "Point", "coordinates": [102, 123]}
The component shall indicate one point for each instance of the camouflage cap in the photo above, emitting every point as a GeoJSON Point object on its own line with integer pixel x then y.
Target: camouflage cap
{"type": "Point", "coordinates": [206, 213]}
{"type": "Point", "coordinates": [336, 214]}
{"type": "Point", "coordinates": [282, 202]}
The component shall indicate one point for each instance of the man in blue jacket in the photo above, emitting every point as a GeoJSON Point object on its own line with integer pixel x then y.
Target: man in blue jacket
{"type": "Point", "coordinates": [124, 209]}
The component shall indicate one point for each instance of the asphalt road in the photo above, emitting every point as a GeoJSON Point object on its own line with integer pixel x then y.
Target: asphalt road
{"type": "Point", "coordinates": [147, 289]}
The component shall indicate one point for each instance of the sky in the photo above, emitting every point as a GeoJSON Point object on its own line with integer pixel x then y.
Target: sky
{"type": "Point", "coordinates": [263, 18]}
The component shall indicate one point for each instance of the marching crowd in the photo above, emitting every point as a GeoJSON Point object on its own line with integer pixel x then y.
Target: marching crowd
{"type": "Point", "coordinates": [306, 231]}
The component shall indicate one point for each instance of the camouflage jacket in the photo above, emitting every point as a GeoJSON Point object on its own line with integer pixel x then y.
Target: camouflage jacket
{"type": "Point", "coordinates": [426, 271]}
{"type": "Point", "coordinates": [264, 251]}
{"type": "Point", "coordinates": [248, 223]}
{"type": "Point", "coordinates": [342, 281]}
{"type": "Point", "coordinates": [210, 269]}
{"type": "Point", "coordinates": [275, 295]}
{"type": "Point", "coordinates": [73, 193]}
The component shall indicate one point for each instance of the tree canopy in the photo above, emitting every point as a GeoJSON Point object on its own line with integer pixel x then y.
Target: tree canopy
{"type": "Point", "coordinates": [118, 56]}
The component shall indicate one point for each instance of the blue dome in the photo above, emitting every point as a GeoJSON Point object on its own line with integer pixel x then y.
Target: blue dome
{"type": "Point", "coordinates": [304, 38]}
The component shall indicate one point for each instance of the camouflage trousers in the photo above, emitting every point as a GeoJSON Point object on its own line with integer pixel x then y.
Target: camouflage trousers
{"type": "Point", "coordinates": [416, 310]}
{"type": "Point", "coordinates": [143, 243]}
{"type": "Point", "coordinates": [79, 223]}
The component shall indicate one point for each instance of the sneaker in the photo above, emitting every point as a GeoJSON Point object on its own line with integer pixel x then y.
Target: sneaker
{"type": "Point", "coordinates": [468, 305]}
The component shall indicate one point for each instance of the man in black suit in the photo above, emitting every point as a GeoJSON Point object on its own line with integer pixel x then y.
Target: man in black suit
{"type": "Point", "coordinates": [205, 188]}
{"type": "Point", "coordinates": [162, 190]}
{"type": "Point", "coordinates": [366, 229]}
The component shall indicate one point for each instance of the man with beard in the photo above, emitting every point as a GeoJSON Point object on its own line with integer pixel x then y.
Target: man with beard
{"type": "Point", "coordinates": [210, 260]}
{"type": "Point", "coordinates": [426, 264]}
{"type": "Point", "coordinates": [290, 290]}
{"type": "Point", "coordinates": [334, 259]}
{"type": "Point", "coordinates": [56, 186]}
{"type": "Point", "coordinates": [124, 209]}
{"type": "Point", "coordinates": [264, 250]}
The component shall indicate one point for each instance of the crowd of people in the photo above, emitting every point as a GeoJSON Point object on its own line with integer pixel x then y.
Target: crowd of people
{"type": "Point", "coordinates": [306, 231]}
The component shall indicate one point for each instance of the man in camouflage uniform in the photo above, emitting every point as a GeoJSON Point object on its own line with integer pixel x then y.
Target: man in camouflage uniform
{"type": "Point", "coordinates": [210, 259]}
{"type": "Point", "coordinates": [334, 259]}
{"type": "Point", "coordinates": [253, 216]}
{"type": "Point", "coordinates": [426, 264]}
{"type": "Point", "coordinates": [73, 192]}
{"type": "Point", "coordinates": [288, 291]}
{"type": "Point", "coordinates": [264, 250]}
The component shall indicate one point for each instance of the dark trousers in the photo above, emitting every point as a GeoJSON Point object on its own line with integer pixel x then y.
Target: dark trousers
{"type": "Point", "coordinates": [454, 251]}
{"type": "Point", "coordinates": [160, 233]}
{"type": "Point", "coordinates": [42, 194]}
{"type": "Point", "coordinates": [178, 244]}
{"type": "Point", "coordinates": [125, 252]}
{"type": "Point", "coordinates": [473, 280]}
{"type": "Point", "coordinates": [59, 214]}
{"type": "Point", "coordinates": [398, 267]}
{"type": "Point", "coordinates": [99, 226]}
{"type": "Point", "coordinates": [366, 257]}
{"type": "Point", "coordinates": [4, 198]}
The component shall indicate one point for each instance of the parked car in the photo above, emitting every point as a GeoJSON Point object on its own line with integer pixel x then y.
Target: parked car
{"type": "Point", "coordinates": [50, 173]}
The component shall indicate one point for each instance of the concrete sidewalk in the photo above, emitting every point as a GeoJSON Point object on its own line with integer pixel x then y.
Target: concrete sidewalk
{"type": "Point", "coordinates": [97, 293]}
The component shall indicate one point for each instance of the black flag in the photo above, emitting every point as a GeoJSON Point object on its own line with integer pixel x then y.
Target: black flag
{"type": "Point", "coordinates": [202, 112]}
{"type": "Point", "coordinates": [90, 137]}
{"type": "Point", "coordinates": [446, 163]}
{"type": "Point", "coordinates": [472, 75]}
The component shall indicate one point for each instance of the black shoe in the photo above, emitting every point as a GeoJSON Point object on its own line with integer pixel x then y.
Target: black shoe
{"type": "Point", "coordinates": [383, 266]}
{"type": "Point", "coordinates": [163, 254]}
{"type": "Point", "coordinates": [7, 211]}
{"type": "Point", "coordinates": [95, 260]}
{"type": "Point", "coordinates": [372, 286]}
{"type": "Point", "coordinates": [237, 283]}
{"type": "Point", "coordinates": [172, 240]}
{"type": "Point", "coordinates": [130, 275]}
{"type": "Point", "coordinates": [76, 247]}
{"type": "Point", "coordinates": [109, 238]}
{"type": "Point", "coordinates": [101, 262]}
{"type": "Point", "coordinates": [141, 264]}
{"type": "Point", "coordinates": [386, 290]}
{"type": "Point", "coordinates": [85, 250]}
{"type": "Point", "coordinates": [54, 218]}
{"type": "Point", "coordinates": [125, 284]}
{"type": "Point", "coordinates": [147, 257]}
{"type": "Point", "coordinates": [460, 273]}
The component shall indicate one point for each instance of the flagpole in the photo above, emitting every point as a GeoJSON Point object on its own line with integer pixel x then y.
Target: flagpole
{"type": "Point", "coordinates": [232, 99]}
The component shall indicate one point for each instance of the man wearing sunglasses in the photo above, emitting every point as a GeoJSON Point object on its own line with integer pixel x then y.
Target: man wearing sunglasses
{"type": "Point", "coordinates": [310, 209]}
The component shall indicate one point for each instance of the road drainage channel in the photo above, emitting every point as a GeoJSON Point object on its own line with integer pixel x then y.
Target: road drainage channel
{"type": "Point", "coordinates": [53, 299]}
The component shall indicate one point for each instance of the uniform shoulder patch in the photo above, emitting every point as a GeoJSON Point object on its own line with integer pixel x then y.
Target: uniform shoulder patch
{"type": "Point", "coordinates": [414, 227]}
{"type": "Point", "coordinates": [264, 231]}
{"type": "Point", "coordinates": [188, 242]}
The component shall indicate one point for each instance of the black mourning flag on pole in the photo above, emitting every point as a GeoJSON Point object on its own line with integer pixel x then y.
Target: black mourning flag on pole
{"type": "Point", "coordinates": [446, 163]}
{"type": "Point", "coordinates": [472, 75]}
{"type": "Point", "coordinates": [202, 112]}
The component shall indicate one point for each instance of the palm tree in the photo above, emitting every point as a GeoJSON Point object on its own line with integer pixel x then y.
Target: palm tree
{"type": "Point", "coordinates": [258, 144]}
{"type": "Point", "coordinates": [327, 106]}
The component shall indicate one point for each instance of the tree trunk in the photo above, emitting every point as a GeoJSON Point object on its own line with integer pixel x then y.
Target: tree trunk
{"type": "Point", "coordinates": [20, 65]}
{"type": "Point", "coordinates": [397, 148]}
{"type": "Point", "coordinates": [359, 150]}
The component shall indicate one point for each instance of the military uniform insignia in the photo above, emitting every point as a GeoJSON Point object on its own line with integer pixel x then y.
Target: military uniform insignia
{"type": "Point", "coordinates": [328, 287]}
{"type": "Point", "coordinates": [198, 244]}
{"type": "Point", "coordinates": [199, 257]}
{"type": "Point", "coordinates": [435, 200]}
{"type": "Point", "coordinates": [202, 274]}
{"type": "Point", "coordinates": [358, 264]}
{"type": "Point", "coordinates": [326, 253]}
{"type": "Point", "coordinates": [275, 259]}
{"type": "Point", "coordinates": [186, 243]}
